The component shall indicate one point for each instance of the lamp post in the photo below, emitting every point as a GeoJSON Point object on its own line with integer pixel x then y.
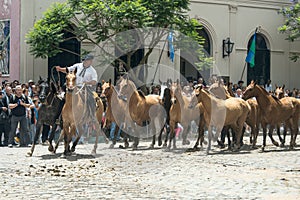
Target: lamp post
{"type": "Point", "coordinates": [227, 47]}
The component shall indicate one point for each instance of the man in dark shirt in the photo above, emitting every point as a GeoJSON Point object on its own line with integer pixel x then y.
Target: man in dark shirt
{"type": "Point", "coordinates": [18, 104]}
{"type": "Point", "coordinates": [4, 121]}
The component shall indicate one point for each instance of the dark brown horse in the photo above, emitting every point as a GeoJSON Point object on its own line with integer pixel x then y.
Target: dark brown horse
{"type": "Point", "coordinates": [274, 111]}
{"type": "Point", "coordinates": [49, 112]}
{"type": "Point", "coordinates": [74, 108]}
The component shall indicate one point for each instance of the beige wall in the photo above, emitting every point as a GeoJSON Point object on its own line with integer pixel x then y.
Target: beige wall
{"type": "Point", "coordinates": [238, 20]}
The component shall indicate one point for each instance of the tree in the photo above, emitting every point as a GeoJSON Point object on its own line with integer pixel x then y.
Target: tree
{"type": "Point", "coordinates": [292, 23]}
{"type": "Point", "coordinates": [98, 21]}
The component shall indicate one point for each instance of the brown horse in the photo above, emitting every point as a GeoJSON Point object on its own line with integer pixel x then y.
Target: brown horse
{"type": "Point", "coordinates": [274, 111]}
{"type": "Point", "coordinates": [180, 112]}
{"type": "Point", "coordinates": [142, 109]}
{"type": "Point", "coordinates": [74, 107]}
{"type": "Point", "coordinates": [253, 119]}
{"type": "Point", "coordinates": [279, 93]}
{"type": "Point", "coordinates": [219, 113]}
{"type": "Point", "coordinates": [117, 111]}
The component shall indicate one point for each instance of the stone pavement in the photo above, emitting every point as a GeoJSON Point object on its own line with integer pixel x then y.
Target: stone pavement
{"type": "Point", "coordinates": [150, 174]}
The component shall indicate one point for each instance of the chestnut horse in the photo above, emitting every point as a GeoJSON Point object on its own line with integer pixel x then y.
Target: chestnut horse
{"type": "Point", "coordinates": [180, 112]}
{"type": "Point", "coordinates": [274, 111]}
{"type": "Point", "coordinates": [74, 107]}
{"type": "Point", "coordinates": [253, 119]}
{"type": "Point", "coordinates": [279, 93]}
{"type": "Point", "coordinates": [116, 110]}
{"type": "Point", "coordinates": [142, 109]}
{"type": "Point", "coordinates": [219, 113]}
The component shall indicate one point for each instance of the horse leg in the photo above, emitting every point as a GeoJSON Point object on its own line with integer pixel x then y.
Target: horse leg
{"type": "Point", "coordinates": [271, 135]}
{"type": "Point", "coordinates": [61, 136]}
{"type": "Point", "coordinates": [167, 135]}
{"type": "Point", "coordinates": [51, 136]}
{"type": "Point", "coordinates": [221, 142]}
{"type": "Point", "coordinates": [209, 139]}
{"type": "Point", "coordinates": [264, 126]}
{"type": "Point", "coordinates": [67, 140]}
{"type": "Point", "coordinates": [186, 130]}
{"type": "Point", "coordinates": [200, 135]}
{"type": "Point", "coordinates": [160, 136]}
{"type": "Point", "coordinates": [80, 131]}
{"type": "Point", "coordinates": [36, 137]}
{"type": "Point", "coordinates": [172, 133]}
{"type": "Point", "coordinates": [278, 133]}
{"type": "Point", "coordinates": [294, 132]}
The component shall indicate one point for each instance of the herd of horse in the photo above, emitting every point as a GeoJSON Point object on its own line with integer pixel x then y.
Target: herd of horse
{"type": "Point", "coordinates": [212, 109]}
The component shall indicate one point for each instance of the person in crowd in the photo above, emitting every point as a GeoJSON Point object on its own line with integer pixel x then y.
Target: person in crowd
{"type": "Point", "coordinates": [240, 85]}
{"type": "Point", "coordinates": [18, 104]}
{"type": "Point", "coordinates": [4, 119]}
{"type": "Point", "coordinates": [268, 86]}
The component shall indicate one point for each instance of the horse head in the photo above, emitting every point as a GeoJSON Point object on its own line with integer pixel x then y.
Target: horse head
{"type": "Point", "coordinates": [279, 92]}
{"type": "Point", "coordinates": [71, 80]}
{"type": "Point", "coordinates": [127, 87]}
{"type": "Point", "coordinates": [196, 96]}
{"type": "Point", "coordinates": [107, 89]}
{"type": "Point", "coordinates": [44, 89]}
{"type": "Point", "coordinates": [251, 90]}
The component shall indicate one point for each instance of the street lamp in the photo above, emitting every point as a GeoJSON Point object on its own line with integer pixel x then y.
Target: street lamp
{"type": "Point", "coordinates": [227, 47]}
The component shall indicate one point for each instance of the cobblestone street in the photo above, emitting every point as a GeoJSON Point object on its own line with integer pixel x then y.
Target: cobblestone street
{"type": "Point", "coordinates": [150, 174]}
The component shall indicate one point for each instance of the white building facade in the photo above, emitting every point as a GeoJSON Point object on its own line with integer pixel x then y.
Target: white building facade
{"type": "Point", "coordinates": [221, 19]}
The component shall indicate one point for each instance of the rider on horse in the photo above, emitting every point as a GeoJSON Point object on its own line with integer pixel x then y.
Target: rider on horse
{"type": "Point", "coordinates": [86, 78]}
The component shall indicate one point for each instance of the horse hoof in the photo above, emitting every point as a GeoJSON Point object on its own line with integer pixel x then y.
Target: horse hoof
{"type": "Point", "coordinates": [134, 148]}
{"type": "Point", "coordinates": [262, 149]}
{"type": "Point", "coordinates": [282, 145]}
{"type": "Point", "coordinates": [93, 152]}
{"type": "Point", "coordinates": [186, 142]}
{"type": "Point", "coordinates": [126, 144]}
{"type": "Point", "coordinates": [111, 146]}
{"type": "Point", "coordinates": [151, 146]}
{"type": "Point", "coordinates": [165, 145]}
{"type": "Point", "coordinates": [73, 149]}
{"type": "Point", "coordinates": [50, 148]}
{"type": "Point", "coordinates": [276, 144]}
{"type": "Point", "coordinates": [159, 143]}
{"type": "Point", "coordinates": [29, 154]}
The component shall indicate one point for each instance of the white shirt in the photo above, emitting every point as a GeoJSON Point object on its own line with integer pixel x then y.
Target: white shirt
{"type": "Point", "coordinates": [89, 75]}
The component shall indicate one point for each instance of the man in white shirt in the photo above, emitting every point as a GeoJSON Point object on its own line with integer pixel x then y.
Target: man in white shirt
{"type": "Point", "coordinates": [85, 71]}
{"type": "Point", "coordinates": [86, 74]}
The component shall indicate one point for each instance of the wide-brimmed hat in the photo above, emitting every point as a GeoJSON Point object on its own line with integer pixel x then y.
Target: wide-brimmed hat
{"type": "Point", "coordinates": [88, 57]}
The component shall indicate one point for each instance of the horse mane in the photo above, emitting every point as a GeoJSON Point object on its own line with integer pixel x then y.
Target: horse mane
{"type": "Point", "coordinates": [141, 94]}
{"type": "Point", "coordinates": [268, 94]}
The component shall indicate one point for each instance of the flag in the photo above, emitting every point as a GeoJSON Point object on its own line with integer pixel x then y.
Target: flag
{"type": "Point", "coordinates": [171, 52]}
{"type": "Point", "coordinates": [251, 54]}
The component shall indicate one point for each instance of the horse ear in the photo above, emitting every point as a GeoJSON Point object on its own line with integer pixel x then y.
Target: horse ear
{"type": "Point", "coordinates": [283, 86]}
{"type": "Point", "coordinates": [276, 86]}
{"type": "Point", "coordinates": [109, 81]}
{"type": "Point", "coordinates": [75, 71]}
{"type": "Point", "coordinates": [67, 70]}
{"type": "Point", "coordinates": [177, 82]}
{"type": "Point", "coordinates": [41, 78]}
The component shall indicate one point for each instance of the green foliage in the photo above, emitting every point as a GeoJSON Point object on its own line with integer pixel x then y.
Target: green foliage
{"type": "Point", "coordinates": [291, 27]}
{"type": "Point", "coordinates": [97, 21]}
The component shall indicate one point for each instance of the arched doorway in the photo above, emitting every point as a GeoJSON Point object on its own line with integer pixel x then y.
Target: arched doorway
{"type": "Point", "coordinates": [65, 58]}
{"type": "Point", "coordinates": [187, 69]}
{"type": "Point", "coordinates": [261, 70]}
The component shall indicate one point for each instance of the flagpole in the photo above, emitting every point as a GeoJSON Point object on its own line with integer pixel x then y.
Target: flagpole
{"type": "Point", "coordinates": [246, 58]}
{"type": "Point", "coordinates": [243, 71]}
{"type": "Point", "coordinates": [159, 59]}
